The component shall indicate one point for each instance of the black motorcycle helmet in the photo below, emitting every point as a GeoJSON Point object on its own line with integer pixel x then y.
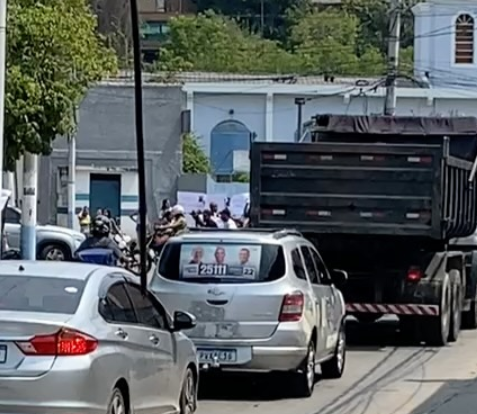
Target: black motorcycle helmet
{"type": "Point", "coordinates": [101, 226]}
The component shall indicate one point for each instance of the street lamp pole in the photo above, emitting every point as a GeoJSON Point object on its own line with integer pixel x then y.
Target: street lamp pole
{"type": "Point", "coordinates": [139, 140]}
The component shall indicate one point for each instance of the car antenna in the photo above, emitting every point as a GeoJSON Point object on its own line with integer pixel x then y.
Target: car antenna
{"type": "Point", "coordinates": [21, 268]}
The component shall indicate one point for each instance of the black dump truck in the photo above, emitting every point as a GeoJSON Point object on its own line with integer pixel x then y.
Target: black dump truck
{"type": "Point", "coordinates": [393, 201]}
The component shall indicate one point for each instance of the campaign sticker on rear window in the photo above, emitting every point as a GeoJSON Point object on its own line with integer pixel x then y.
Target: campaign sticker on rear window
{"type": "Point", "coordinates": [71, 289]}
{"type": "Point", "coordinates": [220, 260]}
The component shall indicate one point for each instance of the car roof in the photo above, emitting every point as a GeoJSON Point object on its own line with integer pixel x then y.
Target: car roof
{"type": "Point", "coordinates": [66, 270]}
{"type": "Point", "coordinates": [238, 235]}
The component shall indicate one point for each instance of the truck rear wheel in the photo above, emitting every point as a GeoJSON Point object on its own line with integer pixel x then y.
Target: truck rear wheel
{"type": "Point", "coordinates": [469, 318]}
{"type": "Point", "coordinates": [438, 327]}
{"type": "Point", "coordinates": [456, 305]}
{"type": "Point", "coordinates": [410, 329]}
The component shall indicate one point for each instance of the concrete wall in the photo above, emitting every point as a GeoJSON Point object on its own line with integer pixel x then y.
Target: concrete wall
{"type": "Point", "coordinates": [106, 141]}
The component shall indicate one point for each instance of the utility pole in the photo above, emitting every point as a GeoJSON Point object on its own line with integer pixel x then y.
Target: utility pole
{"type": "Point", "coordinates": [141, 163]}
{"type": "Point", "coordinates": [393, 57]}
{"type": "Point", "coordinates": [3, 68]}
{"type": "Point", "coordinates": [299, 102]}
{"type": "Point", "coordinates": [29, 204]}
{"type": "Point", "coordinates": [72, 172]}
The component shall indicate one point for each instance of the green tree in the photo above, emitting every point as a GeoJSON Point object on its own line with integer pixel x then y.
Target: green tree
{"type": "Point", "coordinates": [326, 42]}
{"type": "Point", "coordinates": [208, 42]}
{"type": "Point", "coordinates": [194, 160]}
{"type": "Point", "coordinates": [250, 14]}
{"type": "Point", "coordinates": [53, 56]}
{"type": "Point", "coordinates": [373, 18]}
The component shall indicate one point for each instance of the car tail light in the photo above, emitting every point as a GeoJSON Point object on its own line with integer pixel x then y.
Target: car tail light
{"type": "Point", "coordinates": [414, 274]}
{"type": "Point", "coordinates": [292, 307]}
{"type": "Point", "coordinates": [65, 342]}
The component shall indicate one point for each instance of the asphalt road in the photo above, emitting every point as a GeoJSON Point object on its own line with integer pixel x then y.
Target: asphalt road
{"type": "Point", "coordinates": [383, 376]}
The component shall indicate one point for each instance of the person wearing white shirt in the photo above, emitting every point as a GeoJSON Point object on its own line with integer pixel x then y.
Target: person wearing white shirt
{"type": "Point", "coordinates": [226, 220]}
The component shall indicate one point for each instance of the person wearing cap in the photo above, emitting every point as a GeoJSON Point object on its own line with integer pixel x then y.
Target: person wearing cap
{"type": "Point", "coordinates": [226, 219]}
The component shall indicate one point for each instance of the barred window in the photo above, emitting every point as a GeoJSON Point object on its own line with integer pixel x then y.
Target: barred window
{"type": "Point", "coordinates": [464, 39]}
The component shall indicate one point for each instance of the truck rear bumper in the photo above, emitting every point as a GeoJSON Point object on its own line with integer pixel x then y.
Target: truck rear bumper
{"type": "Point", "coordinates": [393, 309]}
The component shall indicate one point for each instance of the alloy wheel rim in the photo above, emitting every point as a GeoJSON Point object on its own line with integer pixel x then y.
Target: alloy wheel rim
{"type": "Point", "coordinates": [310, 368]}
{"type": "Point", "coordinates": [117, 405]}
{"type": "Point", "coordinates": [189, 395]}
{"type": "Point", "coordinates": [340, 357]}
{"type": "Point", "coordinates": [55, 255]}
{"type": "Point", "coordinates": [446, 312]}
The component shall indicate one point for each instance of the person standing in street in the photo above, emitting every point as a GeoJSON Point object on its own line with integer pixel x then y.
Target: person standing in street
{"type": "Point", "coordinates": [84, 219]}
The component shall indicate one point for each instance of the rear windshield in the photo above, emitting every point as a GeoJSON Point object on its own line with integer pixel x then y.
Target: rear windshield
{"type": "Point", "coordinates": [40, 294]}
{"type": "Point", "coordinates": [222, 262]}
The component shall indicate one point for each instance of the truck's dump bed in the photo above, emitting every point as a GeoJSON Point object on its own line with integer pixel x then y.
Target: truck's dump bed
{"type": "Point", "coordinates": [363, 188]}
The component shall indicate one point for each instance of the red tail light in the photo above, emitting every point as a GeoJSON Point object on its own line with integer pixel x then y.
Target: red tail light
{"type": "Point", "coordinates": [414, 274]}
{"type": "Point", "coordinates": [292, 307]}
{"type": "Point", "coordinates": [65, 342]}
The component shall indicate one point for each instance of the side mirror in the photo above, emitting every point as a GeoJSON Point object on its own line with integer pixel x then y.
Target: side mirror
{"type": "Point", "coordinates": [339, 277]}
{"type": "Point", "coordinates": [183, 321]}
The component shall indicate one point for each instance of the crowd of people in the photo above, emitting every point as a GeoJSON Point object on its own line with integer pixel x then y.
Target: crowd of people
{"type": "Point", "coordinates": [172, 222]}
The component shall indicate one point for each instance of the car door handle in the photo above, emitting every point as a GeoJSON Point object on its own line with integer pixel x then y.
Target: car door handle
{"type": "Point", "coordinates": [122, 334]}
{"type": "Point", "coordinates": [154, 339]}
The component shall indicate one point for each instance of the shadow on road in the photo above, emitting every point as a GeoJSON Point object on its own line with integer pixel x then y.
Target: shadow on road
{"type": "Point", "coordinates": [361, 337]}
{"type": "Point", "coordinates": [455, 396]}
{"type": "Point", "coordinates": [243, 387]}
{"type": "Point", "coordinates": [375, 336]}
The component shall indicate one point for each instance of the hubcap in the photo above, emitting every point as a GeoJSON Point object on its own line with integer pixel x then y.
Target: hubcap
{"type": "Point", "coordinates": [55, 254]}
{"type": "Point", "coordinates": [189, 395]}
{"type": "Point", "coordinates": [117, 405]}
{"type": "Point", "coordinates": [310, 368]}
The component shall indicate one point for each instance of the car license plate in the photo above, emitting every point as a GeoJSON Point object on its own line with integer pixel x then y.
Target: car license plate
{"type": "Point", "coordinates": [217, 355]}
{"type": "Point", "coordinates": [3, 354]}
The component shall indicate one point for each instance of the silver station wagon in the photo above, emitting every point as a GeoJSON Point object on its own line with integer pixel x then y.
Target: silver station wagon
{"type": "Point", "coordinates": [264, 301]}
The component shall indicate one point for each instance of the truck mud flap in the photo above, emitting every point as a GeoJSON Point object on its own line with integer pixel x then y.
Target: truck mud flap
{"type": "Point", "coordinates": [392, 309]}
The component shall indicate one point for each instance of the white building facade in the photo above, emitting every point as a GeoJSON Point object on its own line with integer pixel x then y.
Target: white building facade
{"type": "Point", "coordinates": [445, 48]}
{"type": "Point", "coordinates": [269, 112]}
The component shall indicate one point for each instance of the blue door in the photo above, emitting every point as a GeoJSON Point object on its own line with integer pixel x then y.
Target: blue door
{"type": "Point", "coordinates": [225, 138]}
{"type": "Point", "coordinates": [105, 192]}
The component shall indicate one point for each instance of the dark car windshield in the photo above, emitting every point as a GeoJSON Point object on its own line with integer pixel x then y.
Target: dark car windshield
{"type": "Point", "coordinates": [40, 294]}
{"type": "Point", "coordinates": [222, 262]}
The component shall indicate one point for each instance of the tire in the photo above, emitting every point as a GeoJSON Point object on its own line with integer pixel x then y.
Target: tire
{"type": "Point", "coordinates": [304, 377]}
{"type": "Point", "coordinates": [438, 327]}
{"type": "Point", "coordinates": [410, 328]}
{"type": "Point", "coordinates": [55, 252]}
{"type": "Point", "coordinates": [456, 305]}
{"type": "Point", "coordinates": [469, 318]}
{"type": "Point", "coordinates": [188, 397]}
{"type": "Point", "coordinates": [334, 368]}
{"type": "Point", "coordinates": [117, 404]}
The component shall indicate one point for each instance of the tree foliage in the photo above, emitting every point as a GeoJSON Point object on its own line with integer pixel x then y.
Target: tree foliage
{"type": "Point", "coordinates": [194, 160]}
{"type": "Point", "coordinates": [347, 40]}
{"type": "Point", "coordinates": [209, 42]}
{"type": "Point", "coordinates": [267, 17]}
{"type": "Point", "coordinates": [320, 42]}
{"type": "Point", "coordinates": [53, 56]}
